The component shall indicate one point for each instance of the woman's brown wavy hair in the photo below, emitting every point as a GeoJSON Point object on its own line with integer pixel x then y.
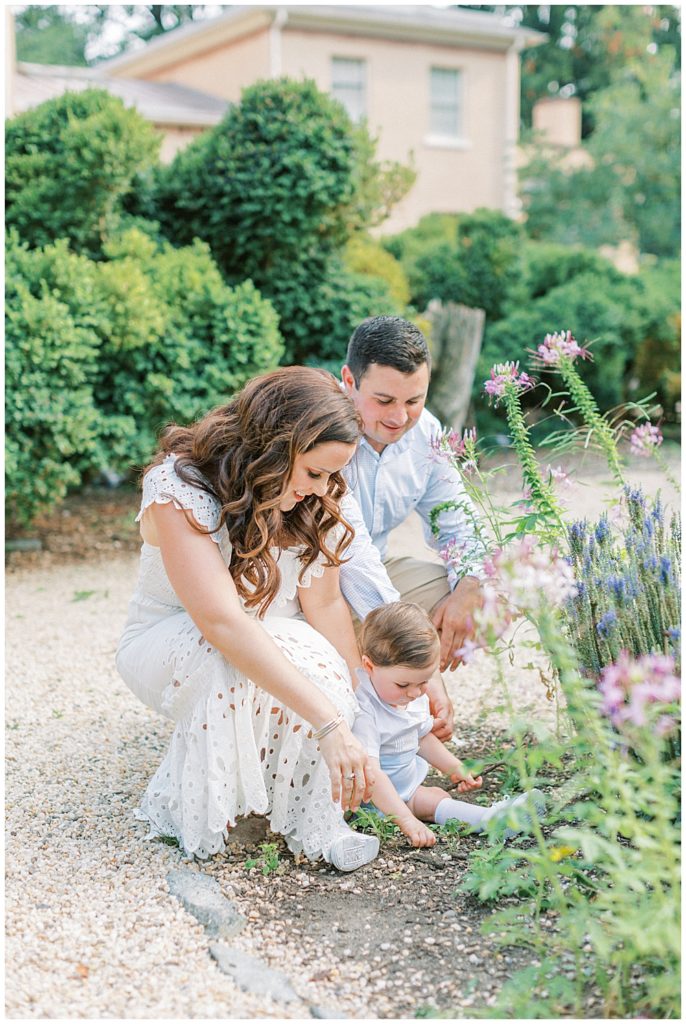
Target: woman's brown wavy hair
{"type": "Point", "coordinates": [244, 452]}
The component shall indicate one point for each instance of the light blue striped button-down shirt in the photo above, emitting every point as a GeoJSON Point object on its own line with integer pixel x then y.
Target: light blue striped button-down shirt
{"type": "Point", "coordinates": [384, 488]}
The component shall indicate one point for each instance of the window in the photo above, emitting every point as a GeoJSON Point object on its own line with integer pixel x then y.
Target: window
{"type": "Point", "coordinates": [446, 103]}
{"type": "Point", "coordinates": [349, 86]}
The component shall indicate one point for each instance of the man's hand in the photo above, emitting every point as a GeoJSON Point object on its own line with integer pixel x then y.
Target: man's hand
{"type": "Point", "coordinates": [453, 617]}
{"type": "Point", "coordinates": [441, 708]}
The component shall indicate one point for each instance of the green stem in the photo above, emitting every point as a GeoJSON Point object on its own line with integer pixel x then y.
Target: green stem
{"type": "Point", "coordinates": [662, 463]}
{"type": "Point", "coordinates": [542, 496]}
{"type": "Point", "coordinates": [586, 404]}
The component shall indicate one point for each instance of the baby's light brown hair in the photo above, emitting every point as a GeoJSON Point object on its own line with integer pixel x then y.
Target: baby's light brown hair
{"type": "Point", "coordinates": [399, 634]}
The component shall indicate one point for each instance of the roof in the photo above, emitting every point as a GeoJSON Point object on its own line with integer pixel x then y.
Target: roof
{"type": "Point", "coordinates": [163, 103]}
{"type": "Point", "coordinates": [410, 22]}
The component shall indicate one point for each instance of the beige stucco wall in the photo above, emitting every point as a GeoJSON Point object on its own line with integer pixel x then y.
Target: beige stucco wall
{"type": "Point", "coordinates": [449, 178]}
{"type": "Point", "coordinates": [558, 120]}
{"type": "Point", "coordinates": [174, 139]}
{"type": "Point", "coordinates": [223, 71]}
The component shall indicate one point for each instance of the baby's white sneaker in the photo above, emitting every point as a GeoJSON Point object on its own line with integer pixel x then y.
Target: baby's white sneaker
{"type": "Point", "coordinates": [523, 817]}
{"type": "Point", "coordinates": [351, 850]}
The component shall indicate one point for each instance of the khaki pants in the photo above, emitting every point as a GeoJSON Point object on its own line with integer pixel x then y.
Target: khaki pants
{"type": "Point", "coordinates": [424, 583]}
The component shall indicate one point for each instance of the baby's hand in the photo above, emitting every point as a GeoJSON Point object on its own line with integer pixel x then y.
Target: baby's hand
{"type": "Point", "coordinates": [417, 832]}
{"type": "Point", "coordinates": [466, 782]}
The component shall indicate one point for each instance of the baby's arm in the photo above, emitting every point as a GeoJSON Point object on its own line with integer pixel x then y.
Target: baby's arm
{"type": "Point", "coordinates": [433, 751]}
{"type": "Point", "coordinates": [386, 798]}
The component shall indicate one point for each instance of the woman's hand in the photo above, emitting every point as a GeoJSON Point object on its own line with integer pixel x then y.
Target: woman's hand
{"type": "Point", "coordinates": [352, 778]}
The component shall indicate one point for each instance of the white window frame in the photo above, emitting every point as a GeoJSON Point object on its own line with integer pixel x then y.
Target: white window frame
{"type": "Point", "coordinates": [337, 62]}
{"type": "Point", "coordinates": [443, 139]}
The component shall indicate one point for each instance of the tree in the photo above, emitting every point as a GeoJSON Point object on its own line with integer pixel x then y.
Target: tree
{"type": "Point", "coordinates": [79, 35]}
{"type": "Point", "coordinates": [583, 50]}
{"type": "Point", "coordinates": [631, 188]}
{"type": "Point", "coordinates": [49, 35]}
{"type": "Point", "coordinates": [133, 23]}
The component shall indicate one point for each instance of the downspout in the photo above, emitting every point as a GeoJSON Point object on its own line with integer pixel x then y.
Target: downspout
{"type": "Point", "coordinates": [10, 62]}
{"type": "Point", "coordinates": [511, 201]}
{"type": "Point", "coordinates": [275, 51]}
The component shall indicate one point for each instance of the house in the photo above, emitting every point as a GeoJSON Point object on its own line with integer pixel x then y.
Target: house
{"type": "Point", "coordinates": [438, 86]}
{"type": "Point", "coordinates": [177, 111]}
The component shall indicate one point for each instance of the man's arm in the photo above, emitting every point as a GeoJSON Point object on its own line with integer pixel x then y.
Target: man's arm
{"type": "Point", "coordinates": [460, 531]}
{"type": "Point", "coordinates": [364, 581]}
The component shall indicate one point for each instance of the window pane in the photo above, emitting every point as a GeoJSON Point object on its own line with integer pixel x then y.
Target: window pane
{"type": "Point", "coordinates": [445, 102]}
{"type": "Point", "coordinates": [348, 85]}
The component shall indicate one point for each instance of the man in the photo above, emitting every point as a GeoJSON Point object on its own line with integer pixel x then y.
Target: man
{"type": "Point", "coordinates": [387, 376]}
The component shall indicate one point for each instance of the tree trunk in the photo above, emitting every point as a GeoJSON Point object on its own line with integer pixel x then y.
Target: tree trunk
{"type": "Point", "coordinates": [456, 335]}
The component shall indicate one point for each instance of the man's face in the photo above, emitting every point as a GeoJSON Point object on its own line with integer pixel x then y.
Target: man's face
{"type": "Point", "coordinates": [389, 402]}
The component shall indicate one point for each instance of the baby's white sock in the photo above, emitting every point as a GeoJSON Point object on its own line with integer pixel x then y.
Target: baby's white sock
{"type": "Point", "coordinates": [471, 814]}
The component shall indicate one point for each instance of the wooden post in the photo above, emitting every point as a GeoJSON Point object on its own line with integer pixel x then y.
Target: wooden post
{"type": "Point", "coordinates": [456, 336]}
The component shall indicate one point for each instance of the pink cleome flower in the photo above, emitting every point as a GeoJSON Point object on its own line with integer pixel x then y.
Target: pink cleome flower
{"type": "Point", "coordinates": [631, 685]}
{"type": "Point", "coordinates": [532, 576]}
{"type": "Point", "coordinates": [562, 345]}
{"type": "Point", "coordinates": [451, 446]}
{"type": "Point", "coordinates": [507, 373]}
{"type": "Point", "coordinates": [645, 438]}
{"type": "Point", "coordinates": [556, 474]}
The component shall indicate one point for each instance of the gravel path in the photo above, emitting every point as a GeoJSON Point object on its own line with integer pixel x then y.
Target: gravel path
{"type": "Point", "coordinates": [92, 930]}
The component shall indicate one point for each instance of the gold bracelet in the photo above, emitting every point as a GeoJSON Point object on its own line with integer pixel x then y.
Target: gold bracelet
{"type": "Point", "coordinates": [329, 727]}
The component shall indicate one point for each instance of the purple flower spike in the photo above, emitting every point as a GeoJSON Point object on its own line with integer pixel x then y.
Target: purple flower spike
{"type": "Point", "coordinates": [645, 438]}
{"type": "Point", "coordinates": [562, 345]}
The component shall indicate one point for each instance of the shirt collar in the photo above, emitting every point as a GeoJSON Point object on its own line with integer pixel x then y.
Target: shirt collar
{"type": "Point", "coordinates": [391, 450]}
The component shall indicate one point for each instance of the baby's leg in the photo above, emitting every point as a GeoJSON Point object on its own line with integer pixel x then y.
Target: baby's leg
{"type": "Point", "coordinates": [430, 803]}
{"type": "Point", "coordinates": [425, 800]}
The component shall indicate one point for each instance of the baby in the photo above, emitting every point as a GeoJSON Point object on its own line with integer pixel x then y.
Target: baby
{"type": "Point", "coordinates": [400, 652]}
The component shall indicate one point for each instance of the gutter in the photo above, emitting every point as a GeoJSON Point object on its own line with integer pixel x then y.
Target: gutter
{"type": "Point", "coordinates": [275, 43]}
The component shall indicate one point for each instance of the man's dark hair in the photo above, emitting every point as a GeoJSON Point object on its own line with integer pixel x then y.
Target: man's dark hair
{"type": "Point", "coordinates": [388, 341]}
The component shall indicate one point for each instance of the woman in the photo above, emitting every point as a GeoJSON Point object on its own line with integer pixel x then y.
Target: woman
{"type": "Point", "coordinates": [254, 664]}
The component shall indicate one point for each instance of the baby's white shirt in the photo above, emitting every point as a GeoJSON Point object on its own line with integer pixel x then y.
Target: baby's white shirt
{"type": "Point", "coordinates": [386, 732]}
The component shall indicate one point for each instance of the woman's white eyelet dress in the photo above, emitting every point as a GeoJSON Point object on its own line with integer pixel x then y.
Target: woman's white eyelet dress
{"type": "Point", "coordinates": [235, 750]}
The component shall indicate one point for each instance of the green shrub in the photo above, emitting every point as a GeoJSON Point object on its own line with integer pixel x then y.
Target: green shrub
{"type": "Point", "coordinates": [102, 355]}
{"type": "Point", "coordinates": [610, 310]}
{"type": "Point", "coordinates": [432, 229]}
{"type": "Point", "coordinates": [320, 303]}
{"type": "Point", "coordinates": [362, 255]}
{"type": "Point", "coordinates": [51, 358]}
{"type": "Point", "coordinates": [276, 190]}
{"type": "Point", "coordinates": [69, 163]}
{"type": "Point", "coordinates": [549, 264]}
{"type": "Point", "coordinates": [656, 366]}
{"type": "Point", "coordinates": [196, 340]}
{"type": "Point", "coordinates": [482, 268]}
{"type": "Point", "coordinates": [274, 178]}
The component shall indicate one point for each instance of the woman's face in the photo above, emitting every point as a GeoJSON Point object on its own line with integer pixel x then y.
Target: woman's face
{"type": "Point", "coordinates": [312, 471]}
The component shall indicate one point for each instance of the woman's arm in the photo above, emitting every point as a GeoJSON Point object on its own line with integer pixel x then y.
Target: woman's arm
{"type": "Point", "coordinates": [327, 611]}
{"type": "Point", "coordinates": [206, 590]}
